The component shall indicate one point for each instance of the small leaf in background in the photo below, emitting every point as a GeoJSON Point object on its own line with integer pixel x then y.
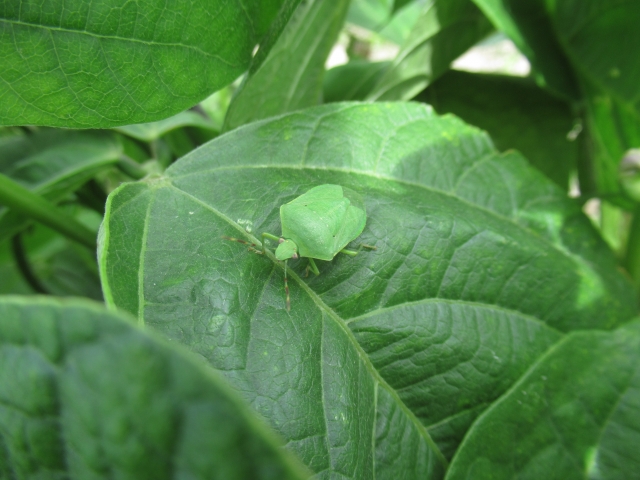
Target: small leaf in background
{"type": "Point", "coordinates": [516, 113]}
{"type": "Point", "coordinates": [444, 31]}
{"type": "Point", "coordinates": [529, 26]}
{"type": "Point", "coordinates": [53, 164]}
{"type": "Point", "coordinates": [85, 394]}
{"type": "Point", "coordinates": [290, 78]}
{"type": "Point", "coordinates": [353, 80]}
{"type": "Point", "coordinates": [117, 63]}
{"type": "Point", "coordinates": [613, 128]}
{"type": "Point", "coordinates": [369, 14]}
{"type": "Point", "coordinates": [468, 240]}
{"type": "Point", "coordinates": [602, 39]}
{"type": "Point", "coordinates": [149, 132]}
{"type": "Point", "coordinates": [574, 415]}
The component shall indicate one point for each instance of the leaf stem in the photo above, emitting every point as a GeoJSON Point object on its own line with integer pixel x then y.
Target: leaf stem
{"type": "Point", "coordinates": [131, 167]}
{"type": "Point", "coordinates": [16, 197]}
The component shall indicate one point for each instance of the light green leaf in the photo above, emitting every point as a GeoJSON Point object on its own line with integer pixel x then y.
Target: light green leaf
{"type": "Point", "coordinates": [467, 240]}
{"type": "Point", "coordinates": [370, 14]}
{"type": "Point", "coordinates": [516, 113]}
{"type": "Point", "coordinates": [108, 63]}
{"type": "Point", "coordinates": [445, 29]}
{"type": "Point", "coordinates": [53, 163]}
{"type": "Point", "coordinates": [575, 415]}
{"type": "Point", "coordinates": [85, 394]}
{"type": "Point", "coordinates": [291, 76]}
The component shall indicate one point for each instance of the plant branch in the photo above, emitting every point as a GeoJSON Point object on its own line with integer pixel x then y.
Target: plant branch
{"type": "Point", "coordinates": [17, 197]}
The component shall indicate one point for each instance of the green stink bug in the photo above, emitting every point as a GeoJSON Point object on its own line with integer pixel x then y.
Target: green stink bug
{"type": "Point", "coordinates": [317, 224]}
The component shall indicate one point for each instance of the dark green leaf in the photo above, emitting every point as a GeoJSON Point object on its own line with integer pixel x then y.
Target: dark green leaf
{"type": "Point", "coordinates": [602, 39]}
{"type": "Point", "coordinates": [52, 164]}
{"type": "Point", "coordinates": [468, 240]}
{"type": "Point", "coordinates": [81, 64]}
{"type": "Point", "coordinates": [528, 24]}
{"type": "Point", "coordinates": [444, 31]}
{"type": "Point", "coordinates": [398, 4]}
{"type": "Point", "coordinates": [575, 415]}
{"type": "Point", "coordinates": [85, 394]}
{"type": "Point", "coordinates": [59, 266]}
{"type": "Point", "coordinates": [291, 76]}
{"type": "Point", "coordinates": [516, 113]}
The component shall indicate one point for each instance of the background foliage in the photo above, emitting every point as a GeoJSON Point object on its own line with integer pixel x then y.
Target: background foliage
{"type": "Point", "coordinates": [492, 334]}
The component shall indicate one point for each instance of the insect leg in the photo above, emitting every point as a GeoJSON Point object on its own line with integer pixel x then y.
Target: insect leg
{"type": "Point", "coordinates": [353, 253]}
{"type": "Point", "coordinates": [286, 287]}
{"type": "Point", "coordinates": [270, 237]}
{"type": "Point", "coordinates": [251, 248]}
{"type": "Point", "coordinates": [313, 267]}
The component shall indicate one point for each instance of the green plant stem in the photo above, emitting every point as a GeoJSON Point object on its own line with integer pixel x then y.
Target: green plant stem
{"type": "Point", "coordinates": [632, 257]}
{"type": "Point", "coordinates": [131, 167]}
{"type": "Point", "coordinates": [17, 197]}
{"type": "Point", "coordinates": [20, 256]}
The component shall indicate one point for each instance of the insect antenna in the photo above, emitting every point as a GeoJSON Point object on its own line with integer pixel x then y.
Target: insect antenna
{"type": "Point", "coordinates": [251, 248]}
{"type": "Point", "coordinates": [286, 287]}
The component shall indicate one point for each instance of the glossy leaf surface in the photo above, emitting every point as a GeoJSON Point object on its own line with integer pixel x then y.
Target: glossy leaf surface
{"type": "Point", "coordinates": [461, 296]}
{"type": "Point", "coordinates": [85, 394]}
{"type": "Point", "coordinates": [112, 62]}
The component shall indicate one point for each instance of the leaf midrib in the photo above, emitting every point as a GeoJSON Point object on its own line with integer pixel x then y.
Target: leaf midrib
{"type": "Point", "coordinates": [435, 300]}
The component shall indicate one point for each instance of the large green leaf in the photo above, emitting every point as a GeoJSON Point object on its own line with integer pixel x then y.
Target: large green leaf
{"type": "Point", "coordinates": [85, 394]}
{"type": "Point", "coordinates": [468, 241]}
{"type": "Point", "coordinates": [445, 29]}
{"type": "Point", "coordinates": [516, 113]}
{"type": "Point", "coordinates": [290, 78]}
{"type": "Point", "coordinates": [53, 163]}
{"type": "Point", "coordinates": [575, 415]}
{"type": "Point", "coordinates": [113, 62]}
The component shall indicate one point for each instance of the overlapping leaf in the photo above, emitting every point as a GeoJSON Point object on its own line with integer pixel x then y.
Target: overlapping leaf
{"type": "Point", "coordinates": [290, 78]}
{"type": "Point", "coordinates": [482, 264]}
{"type": "Point", "coordinates": [85, 394]}
{"type": "Point", "coordinates": [576, 414]}
{"type": "Point", "coordinates": [112, 62]}
{"type": "Point", "coordinates": [444, 30]}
